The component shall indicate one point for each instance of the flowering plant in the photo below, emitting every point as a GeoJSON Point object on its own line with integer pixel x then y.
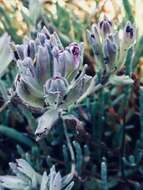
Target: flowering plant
{"type": "Point", "coordinates": [52, 78]}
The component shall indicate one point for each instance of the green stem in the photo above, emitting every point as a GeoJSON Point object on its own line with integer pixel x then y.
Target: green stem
{"type": "Point", "coordinates": [73, 166]}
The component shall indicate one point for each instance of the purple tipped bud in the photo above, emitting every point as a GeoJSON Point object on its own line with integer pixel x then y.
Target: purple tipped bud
{"type": "Point", "coordinates": [42, 37]}
{"type": "Point", "coordinates": [129, 34]}
{"type": "Point", "coordinates": [105, 26]}
{"type": "Point", "coordinates": [67, 61]}
{"type": "Point", "coordinates": [43, 67]}
{"type": "Point", "coordinates": [60, 59]}
{"type": "Point", "coordinates": [28, 76]}
{"type": "Point", "coordinates": [19, 52]}
{"type": "Point", "coordinates": [31, 49]}
{"type": "Point", "coordinates": [94, 42]}
{"type": "Point", "coordinates": [75, 51]}
{"type": "Point", "coordinates": [56, 85]}
{"type": "Point", "coordinates": [55, 89]}
{"type": "Point", "coordinates": [95, 31]}
{"type": "Point", "coordinates": [46, 32]}
{"type": "Point", "coordinates": [110, 51]}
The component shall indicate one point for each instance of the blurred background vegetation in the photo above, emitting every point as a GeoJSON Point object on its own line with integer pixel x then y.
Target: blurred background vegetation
{"type": "Point", "coordinates": [109, 151]}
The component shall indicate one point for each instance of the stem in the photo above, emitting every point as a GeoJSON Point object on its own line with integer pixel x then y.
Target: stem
{"type": "Point", "coordinates": [123, 149]}
{"type": "Point", "coordinates": [4, 106]}
{"type": "Point", "coordinates": [73, 167]}
{"type": "Point", "coordinates": [123, 145]}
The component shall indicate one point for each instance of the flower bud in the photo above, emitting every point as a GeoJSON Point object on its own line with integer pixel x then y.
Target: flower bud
{"type": "Point", "coordinates": [28, 76]}
{"type": "Point", "coordinates": [95, 31]}
{"type": "Point", "coordinates": [76, 51]}
{"type": "Point", "coordinates": [43, 65]}
{"type": "Point", "coordinates": [31, 49]}
{"type": "Point", "coordinates": [19, 52]}
{"type": "Point", "coordinates": [46, 32]}
{"type": "Point", "coordinates": [105, 26]}
{"type": "Point", "coordinates": [42, 37]}
{"type": "Point", "coordinates": [129, 35]}
{"type": "Point", "coordinates": [67, 62]}
{"type": "Point", "coordinates": [55, 89]}
{"type": "Point", "coordinates": [60, 59]}
{"type": "Point", "coordinates": [110, 51]}
{"type": "Point", "coordinates": [94, 42]}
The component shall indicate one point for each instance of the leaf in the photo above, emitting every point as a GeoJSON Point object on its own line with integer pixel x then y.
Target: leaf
{"type": "Point", "coordinates": [14, 134]}
{"type": "Point", "coordinates": [46, 122]}
{"type": "Point", "coordinates": [120, 80]}
{"type": "Point", "coordinates": [35, 10]}
{"type": "Point", "coordinates": [25, 94]}
{"type": "Point", "coordinates": [128, 10]}
{"type": "Point", "coordinates": [5, 53]}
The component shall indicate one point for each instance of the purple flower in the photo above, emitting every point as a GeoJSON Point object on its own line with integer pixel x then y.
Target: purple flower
{"type": "Point", "coordinates": [129, 34]}
{"type": "Point", "coordinates": [110, 51]}
{"type": "Point", "coordinates": [55, 89]}
{"type": "Point", "coordinates": [105, 26]}
{"type": "Point", "coordinates": [67, 61]}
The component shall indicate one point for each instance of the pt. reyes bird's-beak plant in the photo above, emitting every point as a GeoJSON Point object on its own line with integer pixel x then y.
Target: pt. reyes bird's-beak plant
{"type": "Point", "coordinates": [52, 78]}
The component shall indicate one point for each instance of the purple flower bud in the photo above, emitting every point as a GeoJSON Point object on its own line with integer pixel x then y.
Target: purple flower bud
{"type": "Point", "coordinates": [20, 52]}
{"type": "Point", "coordinates": [28, 75]}
{"type": "Point", "coordinates": [31, 50]}
{"type": "Point", "coordinates": [60, 60]}
{"type": "Point", "coordinates": [95, 44]}
{"type": "Point", "coordinates": [67, 62]}
{"type": "Point", "coordinates": [46, 32]}
{"type": "Point", "coordinates": [42, 37]}
{"type": "Point", "coordinates": [55, 89]}
{"type": "Point", "coordinates": [129, 34]}
{"type": "Point", "coordinates": [76, 51]}
{"type": "Point", "coordinates": [95, 31]}
{"type": "Point", "coordinates": [110, 51]}
{"type": "Point", "coordinates": [42, 65]}
{"type": "Point", "coordinates": [105, 26]}
{"type": "Point", "coordinates": [55, 41]}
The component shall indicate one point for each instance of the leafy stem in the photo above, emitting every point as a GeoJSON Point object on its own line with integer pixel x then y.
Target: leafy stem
{"type": "Point", "coordinates": [73, 166]}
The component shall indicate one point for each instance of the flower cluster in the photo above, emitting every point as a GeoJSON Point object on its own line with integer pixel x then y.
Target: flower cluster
{"type": "Point", "coordinates": [52, 76]}
{"type": "Point", "coordinates": [26, 178]}
{"type": "Point", "coordinates": [109, 47]}
{"type": "Point", "coordinates": [49, 74]}
{"type": "Point", "coordinates": [110, 52]}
